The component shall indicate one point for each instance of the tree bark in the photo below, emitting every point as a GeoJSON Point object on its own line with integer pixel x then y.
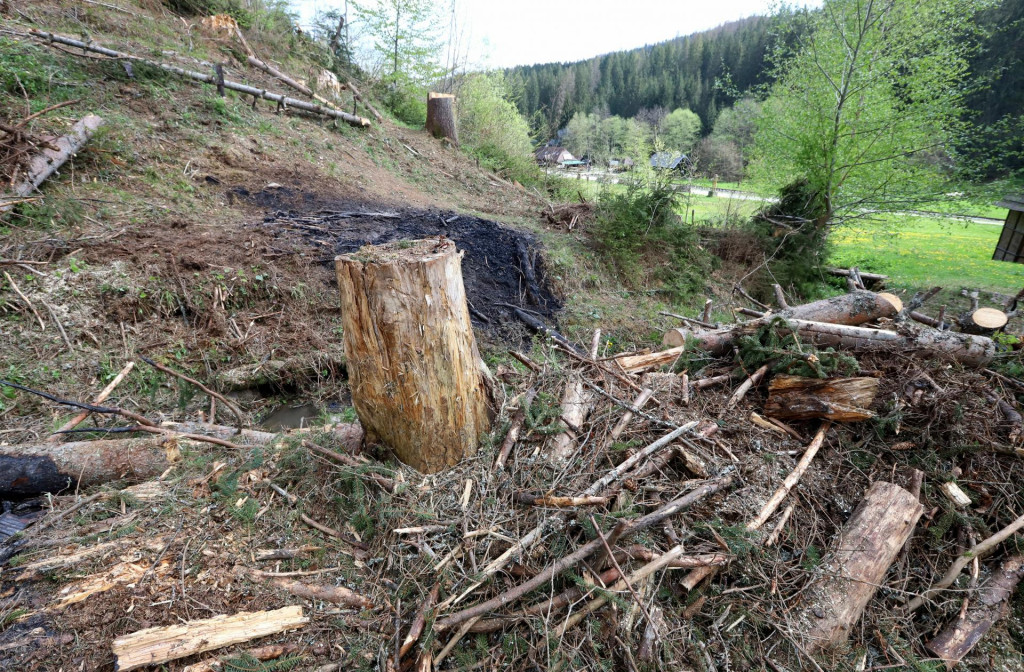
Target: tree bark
{"type": "Point", "coordinates": [857, 564]}
{"type": "Point", "coordinates": [983, 321]}
{"type": "Point", "coordinates": [992, 604]}
{"type": "Point", "coordinates": [854, 308]}
{"type": "Point", "coordinates": [48, 161]}
{"type": "Point", "coordinates": [418, 383]}
{"type": "Point", "coordinates": [441, 116]}
{"type": "Point", "coordinates": [27, 470]}
{"type": "Point", "coordinates": [838, 399]}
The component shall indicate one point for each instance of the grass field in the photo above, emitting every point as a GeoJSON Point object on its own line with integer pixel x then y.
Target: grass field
{"type": "Point", "coordinates": [919, 252]}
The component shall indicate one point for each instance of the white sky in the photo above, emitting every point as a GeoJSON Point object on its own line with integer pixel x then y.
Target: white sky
{"type": "Point", "coordinates": [503, 33]}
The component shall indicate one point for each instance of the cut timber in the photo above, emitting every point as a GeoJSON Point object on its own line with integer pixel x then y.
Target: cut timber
{"type": "Point", "coordinates": [282, 101]}
{"type": "Point", "coordinates": [855, 567]}
{"type": "Point", "coordinates": [48, 161]}
{"type": "Point", "coordinates": [441, 116]}
{"type": "Point", "coordinates": [960, 636]}
{"type": "Point", "coordinates": [634, 363]}
{"type": "Point", "coordinates": [839, 399]}
{"type": "Point", "coordinates": [893, 299]}
{"type": "Point", "coordinates": [954, 494]}
{"type": "Point", "coordinates": [32, 469]}
{"type": "Point", "coordinates": [576, 404]}
{"type": "Point", "coordinates": [418, 383]}
{"type": "Point", "coordinates": [854, 308]}
{"type": "Point", "coordinates": [983, 321]}
{"type": "Point", "coordinates": [153, 646]}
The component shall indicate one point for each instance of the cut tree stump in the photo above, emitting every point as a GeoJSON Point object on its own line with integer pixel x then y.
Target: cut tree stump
{"type": "Point", "coordinates": [48, 161]}
{"type": "Point", "coordinates": [854, 568]}
{"type": "Point", "coordinates": [839, 399]}
{"type": "Point", "coordinates": [441, 116]}
{"type": "Point", "coordinates": [992, 604]}
{"type": "Point", "coordinates": [983, 321]}
{"type": "Point", "coordinates": [853, 308]}
{"type": "Point", "coordinates": [33, 469]}
{"type": "Point", "coordinates": [418, 383]}
{"type": "Point", "coordinates": [153, 646]}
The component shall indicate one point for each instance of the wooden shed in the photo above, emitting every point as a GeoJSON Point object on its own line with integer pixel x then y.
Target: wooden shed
{"type": "Point", "coordinates": [1011, 242]}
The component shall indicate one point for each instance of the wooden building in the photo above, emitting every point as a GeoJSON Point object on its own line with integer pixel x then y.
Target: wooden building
{"type": "Point", "coordinates": [553, 156]}
{"type": "Point", "coordinates": [1011, 242]}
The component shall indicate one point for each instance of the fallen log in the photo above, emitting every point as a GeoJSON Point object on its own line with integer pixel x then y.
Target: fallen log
{"type": "Point", "coordinates": [33, 469]}
{"type": "Point", "coordinates": [57, 437]}
{"type": "Point", "coordinates": [992, 604]}
{"type": "Point", "coordinates": [846, 272]}
{"type": "Point", "coordinates": [635, 363]}
{"type": "Point", "coordinates": [855, 567]}
{"type": "Point", "coordinates": [49, 160]}
{"type": "Point", "coordinates": [576, 404]}
{"type": "Point", "coordinates": [277, 74]}
{"type": "Point", "coordinates": [851, 309]}
{"type": "Point", "coordinates": [838, 399]}
{"type": "Point", "coordinates": [153, 646]}
{"type": "Point", "coordinates": [283, 102]}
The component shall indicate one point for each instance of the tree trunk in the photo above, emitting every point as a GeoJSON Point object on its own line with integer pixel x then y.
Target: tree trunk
{"type": "Point", "coordinates": [854, 308]}
{"type": "Point", "coordinates": [441, 116]}
{"type": "Point", "coordinates": [993, 603]}
{"type": "Point", "coordinates": [839, 399]}
{"type": "Point", "coordinates": [27, 470]}
{"type": "Point", "coordinates": [48, 161]}
{"type": "Point", "coordinates": [857, 564]}
{"type": "Point", "coordinates": [418, 383]}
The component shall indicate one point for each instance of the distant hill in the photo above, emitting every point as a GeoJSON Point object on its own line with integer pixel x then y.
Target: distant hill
{"type": "Point", "coordinates": [682, 72]}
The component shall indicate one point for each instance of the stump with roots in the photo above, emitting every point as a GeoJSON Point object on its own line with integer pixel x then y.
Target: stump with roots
{"type": "Point", "coordinates": [418, 383]}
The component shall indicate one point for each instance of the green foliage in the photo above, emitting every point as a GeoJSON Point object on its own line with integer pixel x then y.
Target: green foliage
{"type": "Point", "coordinates": [604, 138]}
{"type": "Point", "coordinates": [640, 223]}
{"type": "Point", "coordinates": [863, 98]}
{"type": "Point", "coordinates": [788, 355]}
{"type": "Point", "coordinates": [246, 663]}
{"type": "Point", "coordinates": [543, 415]}
{"type": "Point", "coordinates": [491, 128]}
{"type": "Point", "coordinates": [680, 130]}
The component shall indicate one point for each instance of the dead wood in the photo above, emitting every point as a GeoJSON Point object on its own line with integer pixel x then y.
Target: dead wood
{"type": "Point", "coordinates": [855, 567]}
{"type": "Point", "coordinates": [636, 363]}
{"type": "Point", "coordinates": [983, 321]}
{"type": "Point", "coordinates": [851, 309]}
{"type": "Point", "coordinates": [153, 646]}
{"type": "Point", "coordinates": [57, 437]}
{"type": "Point", "coordinates": [991, 604]}
{"type": "Point", "coordinates": [744, 387]}
{"type": "Point", "coordinates": [576, 404]}
{"type": "Point", "coordinates": [192, 381]}
{"type": "Point", "coordinates": [419, 621]}
{"type": "Point", "coordinates": [838, 399]}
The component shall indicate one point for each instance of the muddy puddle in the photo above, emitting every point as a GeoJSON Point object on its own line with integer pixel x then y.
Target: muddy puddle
{"type": "Point", "coordinates": [503, 268]}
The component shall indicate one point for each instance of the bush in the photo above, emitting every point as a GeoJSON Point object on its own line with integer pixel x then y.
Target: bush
{"type": "Point", "coordinates": [641, 225]}
{"type": "Point", "coordinates": [720, 157]}
{"type": "Point", "coordinates": [491, 128]}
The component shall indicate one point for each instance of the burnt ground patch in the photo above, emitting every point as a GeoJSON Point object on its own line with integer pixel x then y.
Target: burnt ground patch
{"type": "Point", "coordinates": [503, 269]}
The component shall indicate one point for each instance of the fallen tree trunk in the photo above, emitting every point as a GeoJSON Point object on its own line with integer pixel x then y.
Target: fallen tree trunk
{"type": "Point", "coordinates": [856, 566]}
{"type": "Point", "coordinates": [418, 383]}
{"type": "Point", "coordinates": [838, 399]}
{"type": "Point", "coordinates": [277, 74]}
{"type": "Point", "coordinates": [282, 101]}
{"type": "Point", "coordinates": [153, 646]}
{"type": "Point", "coordinates": [634, 363]}
{"type": "Point", "coordinates": [48, 161]}
{"type": "Point", "coordinates": [992, 604]}
{"type": "Point", "coordinates": [32, 469]}
{"type": "Point", "coordinates": [854, 308]}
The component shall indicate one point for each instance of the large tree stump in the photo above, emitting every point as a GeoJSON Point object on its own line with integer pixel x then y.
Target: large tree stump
{"type": "Point", "coordinates": [441, 116]}
{"type": "Point", "coordinates": [993, 603]}
{"type": "Point", "coordinates": [854, 568]}
{"type": "Point", "coordinates": [418, 383]}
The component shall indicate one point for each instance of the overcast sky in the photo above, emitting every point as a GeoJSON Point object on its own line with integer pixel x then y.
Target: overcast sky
{"type": "Point", "coordinates": [502, 33]}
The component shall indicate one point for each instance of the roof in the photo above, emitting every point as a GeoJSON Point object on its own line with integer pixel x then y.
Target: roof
{"type": "Point", "coordinates": [553, 154]}
{"type": "Point", "coordinates": [667, 160]}
{"type": "Point", "coordinates": [1013, 203]}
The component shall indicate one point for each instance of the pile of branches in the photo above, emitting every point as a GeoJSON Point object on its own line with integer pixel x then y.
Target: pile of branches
{"type": "Point", "coordinates": [653, 509]}
{"type": "Point", "coordinates": [569, 215]}
{"type": "Point", "coordinates": [18, 145]}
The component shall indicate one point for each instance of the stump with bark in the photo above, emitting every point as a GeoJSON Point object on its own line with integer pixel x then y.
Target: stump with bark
{"type": "Point", "coordinates": [418, 383]}
{"type": "Point", "coordinates": [441, 116]}
{"type": "Point", "coordinates": [855, 567]}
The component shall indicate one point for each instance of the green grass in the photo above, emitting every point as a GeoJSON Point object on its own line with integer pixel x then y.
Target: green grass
{"type": "Point", "coordinates": [919, 252]}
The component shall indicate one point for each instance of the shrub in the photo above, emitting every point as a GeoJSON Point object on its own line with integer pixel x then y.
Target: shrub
{"type": "Point", "coordinates": [720, 157]}
{"type": "Point", "coordinates": [491, 128]}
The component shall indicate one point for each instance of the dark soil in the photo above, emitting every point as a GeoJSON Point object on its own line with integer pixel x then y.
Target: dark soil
{"type": "Point", "coordinates": [492, 268]}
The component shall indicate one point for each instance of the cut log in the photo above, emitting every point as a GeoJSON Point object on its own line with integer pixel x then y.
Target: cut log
{"type": "Point", "coordinates": [576, 404]}
{"type": "Point", "coordinates": [441, 116]}
{"type": "Point", "coordinates": [48, 161]}
{"type": "Point", "coordinates": [839, 399]}
{"type": "Point", "coordinates": [854, 308]}
{"type": "Point", "coordinates": [855, 567]}
{"type": "Point", "coordinates": [893, 299]}
{"type": "Point", "coordinates": [635, 363]}
{"type": "Point", "coordinates": [960, 636]}
{"type": "Point", "coordinates": [418, 383]}
{"type": "Point", "coordinates": [955, 494]}
{"type": "Point", "coordinates": [983, 321]}
{"type": "Point", "coordinates": [872, 277]}
{"type": "Point", "coordinates": [33, 469]}
{"type": "Point", "coordinates": [153, 646]}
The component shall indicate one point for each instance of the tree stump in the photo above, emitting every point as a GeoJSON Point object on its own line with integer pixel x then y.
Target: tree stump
{"type": "Point", "coordinates": [441, 116]}
{"type": "Point", "coordinates": [983, 321]}
{"type": "Point", "coordinates": [418, 383]}
{"type": "Point", "coordinates": [855, 567]}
